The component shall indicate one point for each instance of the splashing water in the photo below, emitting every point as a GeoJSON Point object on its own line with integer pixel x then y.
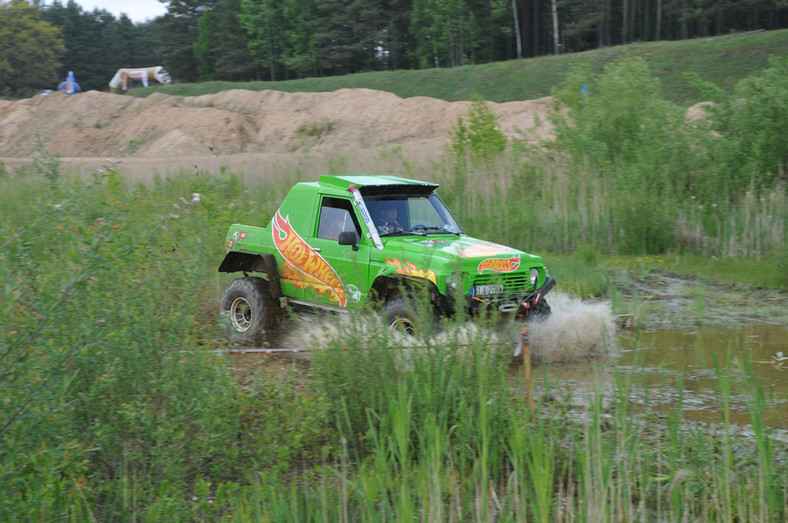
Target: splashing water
{"type": "Point", "coordinates": [575, 331]}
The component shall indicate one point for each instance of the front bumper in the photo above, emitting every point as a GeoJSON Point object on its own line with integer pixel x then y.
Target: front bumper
{"type": "Point", "coordinates": [519, 302]}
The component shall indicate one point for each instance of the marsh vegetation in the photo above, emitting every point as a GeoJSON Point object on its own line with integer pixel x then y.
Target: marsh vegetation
{"type": "Point", "coordinates": [114, 404]}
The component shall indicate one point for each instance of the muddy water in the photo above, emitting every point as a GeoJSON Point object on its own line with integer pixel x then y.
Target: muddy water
{"type": "Point", "coordinates": [666, 367]}
{"type": "Point", "coordinates": [700, 358]}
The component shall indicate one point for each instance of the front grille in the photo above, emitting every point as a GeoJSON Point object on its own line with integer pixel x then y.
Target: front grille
{"type": "Point", "coordinates": [512, 282]}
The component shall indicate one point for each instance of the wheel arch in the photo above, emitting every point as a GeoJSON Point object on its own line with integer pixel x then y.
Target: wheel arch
{"type": "Point", "coordinates": [247, 262]}
{"type": "Point", "coordinates": [389, 286]}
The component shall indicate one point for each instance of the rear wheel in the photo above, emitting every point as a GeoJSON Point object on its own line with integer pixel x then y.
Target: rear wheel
{"type": "Point", "coordinates": [249, 310]}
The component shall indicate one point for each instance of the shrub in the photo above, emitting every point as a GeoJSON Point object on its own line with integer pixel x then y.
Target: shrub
{"type": "Point", "coordinates": [750, 126]}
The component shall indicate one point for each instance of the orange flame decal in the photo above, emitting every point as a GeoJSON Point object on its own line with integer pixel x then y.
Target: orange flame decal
{"type": "Point", "coordinates": [410, 269]}
{"type": "Point", "coordinates": [500, 264]}
{"type": "Point", "coordinates": [303, 266]}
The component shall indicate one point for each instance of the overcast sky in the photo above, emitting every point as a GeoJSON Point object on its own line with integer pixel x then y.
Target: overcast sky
{"type": "Point", "coordinates": [137, 10]}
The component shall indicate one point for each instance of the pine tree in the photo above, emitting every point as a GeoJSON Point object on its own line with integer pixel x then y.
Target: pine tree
{"type": "Point", "coordinates": [179, 32]}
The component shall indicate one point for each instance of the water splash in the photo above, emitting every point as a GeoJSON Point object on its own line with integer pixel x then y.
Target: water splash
{"type": "Point", "coordinates": [576, 331]}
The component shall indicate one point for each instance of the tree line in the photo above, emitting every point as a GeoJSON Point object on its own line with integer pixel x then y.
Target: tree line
{"type": "Point", "coordinates": [40, 43]}
{"type": "Point", "coordinates": [242, 40]}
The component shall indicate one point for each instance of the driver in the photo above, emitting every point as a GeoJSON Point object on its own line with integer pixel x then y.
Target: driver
{"type": "Point", "coordinates": [387, 218]}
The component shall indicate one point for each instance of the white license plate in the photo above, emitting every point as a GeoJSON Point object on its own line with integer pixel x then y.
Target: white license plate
{"type": "Point", "coordinates": [486, 290]}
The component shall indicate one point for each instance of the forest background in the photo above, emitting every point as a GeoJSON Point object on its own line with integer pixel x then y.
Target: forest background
{"type": "Point", "coordinates": [274, 40]}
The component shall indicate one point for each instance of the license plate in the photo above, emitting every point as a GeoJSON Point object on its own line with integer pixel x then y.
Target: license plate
{"type": "Point", "coordinates": [486, 290]}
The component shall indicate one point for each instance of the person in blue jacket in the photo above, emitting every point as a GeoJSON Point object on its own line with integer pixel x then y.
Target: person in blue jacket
{"type": "Point", "coordinates": [70, 86]}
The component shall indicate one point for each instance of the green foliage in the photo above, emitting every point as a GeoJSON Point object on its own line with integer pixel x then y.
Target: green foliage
{"type": "Point", "coordinates": [315, 129]}
{"type": "Point", "coordinates": [179, 30]}
{"type": "Point", "coordinates": [232, 60]}
{"type": "Point", "coordinates": [526, 79]}
{"type": "Point", "coordinates": [46, 163]}
{"type": "Point", "coordinates": [264, 23]}
{"type": "Point", "coordinates": [133, 145]}
{"type": "Point", "coordinates": [660, 167]}
{"type": "Point", "coordinates": [751, 126]}
{"type": "Point", "coordinates": [32, 49]}
{"type": "Point", "coordinates": [103, 379]}
{"type": "Point", "coordinates": [620, 115]}
{"type": "Point", "coordinates": [203, 47]}
{"type": "Point", "coordinates": [308, 39]}
{"type": "Point", "coordinates": [97, 43]}
{"type": "Point", "coordinates": [114, 406]}
{"type": "Point", "coordinates": [781, 258]}
{"type": "Point", "coordinates": [382, 396]}
{"type": "Point", "coordinates": [481, 138]}
{"type": "Point", "coordinates": [449, 32]}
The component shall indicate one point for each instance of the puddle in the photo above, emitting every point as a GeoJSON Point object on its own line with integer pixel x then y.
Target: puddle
{"type": "Point", "coordinates": [663, 358]}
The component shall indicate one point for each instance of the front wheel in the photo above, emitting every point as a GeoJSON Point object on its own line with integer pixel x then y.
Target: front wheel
{"type": "Point", "coordinates": [249, 309]}
{"type": "Point", "coordinates": [541, 310]}
{"type": "Point", "coordinates": [535, 311]}
{"type": "Point", "coordinates": [401, 316]}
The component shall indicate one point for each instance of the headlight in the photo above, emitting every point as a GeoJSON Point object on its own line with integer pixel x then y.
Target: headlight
{"type": "Point", "coordinates": [534, 276]}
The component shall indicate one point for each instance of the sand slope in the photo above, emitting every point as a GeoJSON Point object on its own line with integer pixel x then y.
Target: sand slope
{"type": "Point", "coordinates": [95, 124]}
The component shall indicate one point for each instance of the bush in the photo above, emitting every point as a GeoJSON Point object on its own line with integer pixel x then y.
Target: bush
{"type": "Point", "coordinates": [102, 293]}
{"type": "Point", "coordinates": [481, 138]}
{"type": "Point", "coordinates": [750, 127]}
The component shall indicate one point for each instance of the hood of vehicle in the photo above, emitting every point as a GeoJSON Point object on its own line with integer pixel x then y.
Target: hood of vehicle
{"type": "Point", "coordinates": [468, 251]}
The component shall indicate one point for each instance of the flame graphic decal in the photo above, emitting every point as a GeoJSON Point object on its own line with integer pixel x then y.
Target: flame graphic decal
{"type": "Point", "coordinates": [410, 269]}
{"type": "Point", "coordinates": [303, 266]}
{"type": "Point", "coordinates": [500, 264]}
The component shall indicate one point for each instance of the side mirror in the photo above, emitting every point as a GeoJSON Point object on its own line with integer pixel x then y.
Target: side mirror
{"type": "Point", "coordinates": [348, 238]}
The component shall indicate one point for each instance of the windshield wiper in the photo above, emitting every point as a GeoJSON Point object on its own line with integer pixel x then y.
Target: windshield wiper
{"type": "Point", "coordinates": [433, 228]}
{"type": "Point", "coordinates": [403, 232]}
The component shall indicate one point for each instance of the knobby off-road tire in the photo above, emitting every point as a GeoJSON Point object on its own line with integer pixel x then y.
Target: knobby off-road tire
{"type": "Point", "coordinates": [249, 310]}
{"type": "Point", "coordinates": [541, 310]}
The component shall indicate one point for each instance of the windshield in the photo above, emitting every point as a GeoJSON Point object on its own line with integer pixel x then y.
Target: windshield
{"type": "Point", "coordinates": [412, 214]}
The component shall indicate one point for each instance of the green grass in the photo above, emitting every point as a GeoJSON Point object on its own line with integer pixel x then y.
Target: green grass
{"type": "Point", "coordinates": [112, 408]}
{"type": "Point", "coordinates": [113, 404]}
{"type": "Point", "coordinates": [722, 60]}
{"type": "Point", "coordinates": [755, 273]}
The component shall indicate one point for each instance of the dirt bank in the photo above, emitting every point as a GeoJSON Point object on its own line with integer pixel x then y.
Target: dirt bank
{"type": "Point", "coordinates": [170, 131]}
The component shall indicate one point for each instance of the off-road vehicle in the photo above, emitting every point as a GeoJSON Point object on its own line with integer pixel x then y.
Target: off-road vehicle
{"type": "Point", "coordinates": [348, 240]}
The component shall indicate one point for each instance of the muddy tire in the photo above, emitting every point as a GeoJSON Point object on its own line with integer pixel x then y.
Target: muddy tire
{"type": "Point", "coordinates": [249, 310]}
{"type": "Point", "coordinates": [541, 310]}
{"type": "Point", "coordinates": [401, 316]}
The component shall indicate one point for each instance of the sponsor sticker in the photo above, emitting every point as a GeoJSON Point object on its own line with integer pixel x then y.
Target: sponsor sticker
{"type": "Point", "coordinates": [499, 264]}
{"type": "Point", "coordinates": [303, 266]}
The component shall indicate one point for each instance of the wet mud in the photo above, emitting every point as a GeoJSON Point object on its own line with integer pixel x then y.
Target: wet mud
{"type": "Point", "coordinates": [670, 341]}
{"type": "Point", "coordinates": [680, 343]}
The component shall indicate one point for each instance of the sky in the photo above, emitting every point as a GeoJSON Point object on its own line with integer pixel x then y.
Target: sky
{"type": "Point", "coordinates": [137, 10]}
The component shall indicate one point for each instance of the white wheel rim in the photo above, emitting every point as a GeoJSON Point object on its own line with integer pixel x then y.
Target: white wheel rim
{"type": "Point", "coordinates": [403, 325]}
{"type": "Point", "coordinates": [241, 314]}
